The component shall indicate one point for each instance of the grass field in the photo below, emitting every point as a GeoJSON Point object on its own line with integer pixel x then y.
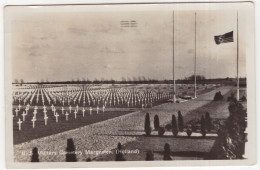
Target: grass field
{"type": "Point", "coordinates": [41, 130]}
{"type": "Point", "coordinates": [116, 100]}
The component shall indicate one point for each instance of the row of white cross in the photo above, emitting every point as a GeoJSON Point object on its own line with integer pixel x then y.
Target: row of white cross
{"type": "Point", "coordinates": [55, 113]}
{"type": "Point", "coordinates": [108, 96]}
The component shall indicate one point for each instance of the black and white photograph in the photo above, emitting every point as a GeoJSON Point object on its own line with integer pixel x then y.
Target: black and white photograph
{"type": "Point", "coordinates": [130, 82]}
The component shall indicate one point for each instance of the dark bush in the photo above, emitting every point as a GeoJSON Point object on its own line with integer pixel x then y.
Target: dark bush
{"type": "Point", "coordinates": [230, 143]}
{"type": "Point", "coordinates": [243, 99]}
{"type": "Point", "coordinates": [232, 97]}
{"type": "Point", "coordinates": [119, 155]}
{"type": "Point", "coordinates": [35, 155]}
{"type": "Point", "coordinates": [147, 126]}
{"type": "Point", "coordinates": [168, 127]}
{"type": "Point", "coordinates": [149, 156]}
{"type": "Point", "coordinates": [218, 96]}
{"type": "Point", "coordinates": [203, 126]}
{"type": "Point", "coordinates": [88, 160]}
{"type": "Point", "coordinates": [167, 152]}
{"type": "Point", "coordinates": [174, 126]}
{"type": "Point", "coordinates": [180, 121]}
{"type": "Point", "coordinates": [156, 122]}
{"type": "Point", "coordinates": [189, 130]}
{"type": "Point", "coordinates": [70, 155]}
{"type": "Point", "coordinates": [208, 123]}
{"type": "Point", "coordinates": [161, 131]}
{"type": "Point", "coordinates": [193, 127]}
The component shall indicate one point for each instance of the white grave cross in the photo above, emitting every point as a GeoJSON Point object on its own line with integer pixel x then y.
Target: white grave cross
{"type": "Point", "coordinates": [16, 111]}
{"type": "Point", "coordinates": [90, 110]}
{"type": "Point", "coordinates": [83, 112]}
{"type": "Point", "coordinates": [67, 114]}
{"type": "Point", "coordinates": [19, 123]}
{"type": "Point", "coordinates": [45, 119]}
{"type": "Point", "coordinates": [62, 110]}
{"type": "Point", "coordinates": [33, 120]}
{"type": "Point", "coordinates": [23, 116]}
{"type": "Point", "coordinates": [75, 114]}
{"type": "Point", "coordinates": [57, 116]}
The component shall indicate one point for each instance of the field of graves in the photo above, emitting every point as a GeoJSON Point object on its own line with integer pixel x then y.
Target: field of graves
{"type": "Point", "coordinates": [44, 110]}
{"type": "Point", "coordinates": [127, 129]}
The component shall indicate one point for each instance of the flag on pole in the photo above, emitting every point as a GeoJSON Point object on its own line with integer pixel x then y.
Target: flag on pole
{"type": "Point", "coordinates": [225, 38]}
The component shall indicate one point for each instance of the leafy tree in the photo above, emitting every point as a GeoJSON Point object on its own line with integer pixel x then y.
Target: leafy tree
{"type": "Point", "coordinates": [236, 126]}
{"type": "Point", "coordinates": [230, 143]}
{"type": "Point", "coordinates": [198, 77]}
{"type": "Point", "coordinates": [203, 126]}
{"type": "Point", "coordinates": [174, 126]}
{"type": "Point", "coordinates": [156, 122]}
{"type": "Point", "coordinates": [147, 126]}
{"type": "Point", "coordinates": [167, 152]}
{"type": "Point", "coordinates": [180, 121]}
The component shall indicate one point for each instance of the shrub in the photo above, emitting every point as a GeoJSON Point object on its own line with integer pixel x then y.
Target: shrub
{"type": "Point", "coordinates": [203, 126]}
{"type": "Point", "coordinates": [232, 97]}
{"type": "Point", "coordinates": [193, 127]}
{"type": "Point", "coordinates": [218, 96]}
{"type": "Point", "coordinates": [180, 121]}
{"type": "Point", "coordinates": [147, 126]}
{"type": "Point", "coordinates": [168, 126]}
{"type": "Point", "coordinates": [88, 160]}
{"type": "Point", "coordinates": [119, 155]}
{"type": "Point", "coordinates": [243, 99]}
{"type": "Point", "coordinates": [161, 131]}
{"type": "Point", "coordinates": [167, 152]}
{"type": "Point", "coordinates": [149, 156]}
{"type": "Point", "coordinates": [236, 125]}
{"type": "Point", "coordinates": [35, 155]}
{"type": "Point", "coordinates": [70, 155]}
{"type": "Point", "coordinates": [156, 122]}
{"type": "Point", "coordinates": [230, 143]}
{"type": "Point", "coordinates": [208, 122]}
{"type": "Point", "coordinates": [174, 126]}
{"type": "Point", "coordinates": [189, 130]}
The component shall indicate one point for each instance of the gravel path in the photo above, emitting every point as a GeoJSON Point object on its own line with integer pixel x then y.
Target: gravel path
{"type": "Point", "coordinates": [104, 136]}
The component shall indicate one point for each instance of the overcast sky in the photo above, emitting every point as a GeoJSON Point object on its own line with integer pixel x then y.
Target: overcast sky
{"type": "Point", "coordinates": [65, 45]}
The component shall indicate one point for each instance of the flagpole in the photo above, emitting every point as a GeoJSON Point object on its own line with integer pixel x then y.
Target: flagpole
{"type": "Point", "coordinates": [174, 93]}
{"type": "Point", "coordinates": [237, 61]}
{"type": "Point", "coordinates": [195, 77]}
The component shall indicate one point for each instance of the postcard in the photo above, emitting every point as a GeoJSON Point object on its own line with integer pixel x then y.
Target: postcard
{"type": "Point", "coordinates": [130, 85]}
